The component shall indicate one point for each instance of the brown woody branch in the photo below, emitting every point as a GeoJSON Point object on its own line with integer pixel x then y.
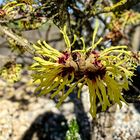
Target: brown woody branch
{"type": "Point", "coordinates": [22, 41]}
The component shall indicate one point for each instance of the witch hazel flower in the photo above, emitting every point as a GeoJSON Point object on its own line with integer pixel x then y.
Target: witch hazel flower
{"type": "Point", "coordinates": [106, 72]}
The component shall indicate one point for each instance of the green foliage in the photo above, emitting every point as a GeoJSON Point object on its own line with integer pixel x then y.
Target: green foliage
{"type": "Point", "coordinates": [73, 132]}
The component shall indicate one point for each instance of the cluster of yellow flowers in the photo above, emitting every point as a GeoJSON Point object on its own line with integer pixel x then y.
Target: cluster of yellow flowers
{"type": "Point", "coordinates": [130, 18]}
{"type": "Point", "coordinates": [11, 9]}
{"type": "Point", "coordinates": [11, 72]}
{"type": "Point", "coordinates": [105, 72]}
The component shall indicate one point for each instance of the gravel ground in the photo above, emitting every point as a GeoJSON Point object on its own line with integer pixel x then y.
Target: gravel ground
{"type": "Point", "coordinates": [127, 122]}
